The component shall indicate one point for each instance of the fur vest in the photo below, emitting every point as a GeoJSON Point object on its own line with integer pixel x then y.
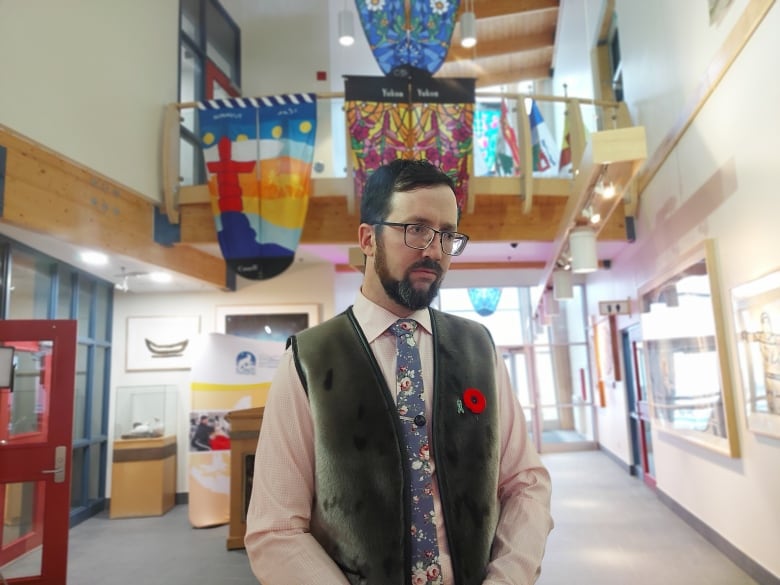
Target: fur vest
{"type": "Point", "coordinates": [360, 513]}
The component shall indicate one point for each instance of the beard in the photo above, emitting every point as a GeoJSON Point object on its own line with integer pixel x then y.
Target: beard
{"type": "Point", "coordinates": [402, 291]}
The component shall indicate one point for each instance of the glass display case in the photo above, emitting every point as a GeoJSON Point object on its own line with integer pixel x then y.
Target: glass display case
{"type": "Point", "coordinates": [144, 412]}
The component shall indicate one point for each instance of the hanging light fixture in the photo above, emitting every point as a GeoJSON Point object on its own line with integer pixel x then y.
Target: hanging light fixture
{"type": "Point", "coordinates": [563, 289]}
{"type": "Point", "coordinates": [485, 300]}
{"type": "Point", "coordinates": [346, 28]}
{"type": "Point", "coordinates": [582, 245]}
{"type": "Point", "coordinates": [468, 26]}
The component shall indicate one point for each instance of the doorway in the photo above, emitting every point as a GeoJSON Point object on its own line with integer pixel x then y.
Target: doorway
{"type": "Point", "coordinates": [639, 421]}
{"type": "Point", "coordinates": [559, 410]}
{"type": "Point", "coordinates": [37, 371]}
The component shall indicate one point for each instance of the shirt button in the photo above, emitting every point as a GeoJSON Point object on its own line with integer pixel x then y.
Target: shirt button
{"type": "Point", "coordinates": [419, 420]}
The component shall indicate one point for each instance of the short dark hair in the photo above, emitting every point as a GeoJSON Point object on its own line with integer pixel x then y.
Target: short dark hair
{"type": "Point", "coordinates": [401, 175]}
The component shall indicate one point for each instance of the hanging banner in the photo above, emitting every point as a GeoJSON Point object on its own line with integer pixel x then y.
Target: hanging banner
{"type": "Point", "coordinates": [259, 154]}
{"type": "Point", "coordinates": [419, 38]}
{"type": "Point", "coordinates": [413, 117]}
{"type": "Point", "coordinates": [229, 373]}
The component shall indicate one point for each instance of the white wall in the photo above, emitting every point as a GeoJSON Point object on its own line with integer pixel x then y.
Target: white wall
{"type": "Point", "coordinates": [718, 184]}
{"type": "Point", "coordinates": [89, 79]}
{"type": "Point", "coordinates": [295, 286]}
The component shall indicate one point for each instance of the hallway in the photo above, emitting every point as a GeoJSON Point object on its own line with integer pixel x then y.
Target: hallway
{"type": "Point", "coordinates": [610, 530]}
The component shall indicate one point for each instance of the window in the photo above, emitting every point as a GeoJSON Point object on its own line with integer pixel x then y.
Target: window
{"type": "Point", "coordinates": [209, 68]}
{"type": "Point", "coordinates": [40, 287]}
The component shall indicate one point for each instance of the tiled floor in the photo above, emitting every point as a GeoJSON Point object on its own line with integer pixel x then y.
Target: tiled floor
{"type": "Point", "coordinates": [610, 530]}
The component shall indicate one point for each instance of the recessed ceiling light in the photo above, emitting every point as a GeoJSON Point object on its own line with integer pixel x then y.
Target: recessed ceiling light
{"type": "Point", "coordinates": [160, 277]}
{"type": "Point", "coordinates": [94, 258]}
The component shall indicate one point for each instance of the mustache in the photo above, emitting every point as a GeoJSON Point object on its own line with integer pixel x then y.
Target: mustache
{"type": "Point", "coordinates": [427, 264]}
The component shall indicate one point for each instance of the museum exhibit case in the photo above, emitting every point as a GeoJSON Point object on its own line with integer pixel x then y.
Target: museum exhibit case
{"type": "Point", "coordinates": [143, 472]}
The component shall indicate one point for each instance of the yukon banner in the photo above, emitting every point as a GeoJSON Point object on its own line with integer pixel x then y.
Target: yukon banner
{"type": "Point", "coordinates": [417, 117]}
{"type": "Point", "coordinates": [258, 154]}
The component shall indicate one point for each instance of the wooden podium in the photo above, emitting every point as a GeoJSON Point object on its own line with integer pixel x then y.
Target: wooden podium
{"type": "Point", "coordinates": [143, 477]}
{"type": "Point", "coordinates": [244, 432]}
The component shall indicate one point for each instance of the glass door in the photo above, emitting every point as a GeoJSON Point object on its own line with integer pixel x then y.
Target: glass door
{"type": "Point", "coordinates": [37, 372]}
{"type": "Point", "coordinates": [518, 364]}
{"type": "Point", "coordinates": [551, 384]}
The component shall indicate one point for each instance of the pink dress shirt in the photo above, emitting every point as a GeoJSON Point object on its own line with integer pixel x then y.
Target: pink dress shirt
{"type": "Point", "coordinates": [282, 551]}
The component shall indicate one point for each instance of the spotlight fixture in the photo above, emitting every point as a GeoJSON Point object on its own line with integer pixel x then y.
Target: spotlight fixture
{"type": "Point", "coordinates": [346, 28]}
{"type": "Point", "coordinates": [468, 28]}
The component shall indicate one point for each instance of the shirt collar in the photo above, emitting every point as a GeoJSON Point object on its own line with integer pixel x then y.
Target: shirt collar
{"type": "Point", "coordinates": [374, 320]}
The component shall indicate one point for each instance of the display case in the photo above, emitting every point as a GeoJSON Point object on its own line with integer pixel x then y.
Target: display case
{"type": "Point", "coordinates": [144, 412]}
{"type": "Point", "coordinates": [143, 472]}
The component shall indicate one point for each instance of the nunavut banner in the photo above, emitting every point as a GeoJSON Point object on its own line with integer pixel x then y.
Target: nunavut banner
{"type": "Point", "coordinates": [229, 373]}
{"type": "Point", "coordinates": [258, 154]}
{"type": "Point", "coordinates": [414, 117]}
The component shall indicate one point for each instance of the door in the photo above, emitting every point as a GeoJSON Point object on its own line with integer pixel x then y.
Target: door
{"type": "Point", "coordinates": [36, 418]}
{"type": "Point", "coordinates": [552, 389]}
{"type": "Point", "coordinates": [638, 406]}
{"type": "Point", "coordinates": [518, 364]}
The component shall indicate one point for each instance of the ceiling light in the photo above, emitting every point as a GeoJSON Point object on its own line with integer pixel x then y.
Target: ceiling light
{"type": "Point", "coordinates": [468, 30]}
{"type": "Point", "coordinates": [94, 258]}
{"type": "Point", "coordinates": [609, 191]}
{"type": "Point", "coordinates": [160, 277]}
{"type": "Point", "coordinates": [595, 218]}
{"type": "Point", "coordinates": [346, 28]}
{"type": "Point", "coordinates": [582, 244]}
{"type": "Point", "coordinates": [563, 288]}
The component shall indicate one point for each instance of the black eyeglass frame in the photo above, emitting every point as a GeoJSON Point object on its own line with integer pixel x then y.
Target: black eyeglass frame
{"type": "Point", "coordinates": [455, 235]}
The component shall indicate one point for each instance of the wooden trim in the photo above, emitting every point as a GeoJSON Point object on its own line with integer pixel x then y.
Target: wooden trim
{"type": "Point", "coordinates": [144, 453]}
{"type": "Point", "coordinates": [52, 195]}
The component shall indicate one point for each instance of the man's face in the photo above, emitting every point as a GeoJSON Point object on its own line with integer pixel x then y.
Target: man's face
{"type": "Point", "coordinates": [411, 278]}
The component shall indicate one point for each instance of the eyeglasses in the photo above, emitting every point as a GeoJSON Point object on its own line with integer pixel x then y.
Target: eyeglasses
{"type": "Point", "coordinates": [420, 236]}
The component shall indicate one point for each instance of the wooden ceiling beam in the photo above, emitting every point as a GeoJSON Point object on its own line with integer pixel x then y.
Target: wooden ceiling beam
{"type": "Point", "coordinates": [494, 8]}
{"type": "Point", "coordinates": [496, 218]}
{"type": "Point", "coordinates": [502, 46]}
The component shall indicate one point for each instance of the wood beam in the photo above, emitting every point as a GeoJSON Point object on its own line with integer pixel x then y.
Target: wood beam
{"type": "Point", "coordinates": [49, 194]}
{"type": "Point", "coordinates": [496, 218]}
{"type": "Point", "coordinates": [502, 46]}
{"type": "Point", "coordinates": [494, 8]}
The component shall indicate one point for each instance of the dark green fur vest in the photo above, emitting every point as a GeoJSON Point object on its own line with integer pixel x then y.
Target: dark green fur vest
{"type": "Point", "coordinates": [361, 507]}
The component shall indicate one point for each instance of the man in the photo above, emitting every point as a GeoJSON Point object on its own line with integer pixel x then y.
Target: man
{"type": "Point", "coordinates": [201, 437]}
{"type": "Point", "coordinates": [340, 492]}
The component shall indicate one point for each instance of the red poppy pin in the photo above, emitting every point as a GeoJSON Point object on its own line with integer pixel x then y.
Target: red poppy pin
{"type": "Point", "coordinates": [474, 400]}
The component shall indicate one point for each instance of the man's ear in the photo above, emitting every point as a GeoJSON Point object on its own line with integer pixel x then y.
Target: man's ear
{"type": "Point", "coordinates": [367, 238]}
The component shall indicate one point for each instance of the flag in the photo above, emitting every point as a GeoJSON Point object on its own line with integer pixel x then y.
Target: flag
{"type": "Point", "coordinates": [565, 166]}
{"type": "Point", "coordinates": [543, 144]}
{"type": "Point", "coordinates": [507, 149]}
{"type": "Point", "coordinates": [259, 154]}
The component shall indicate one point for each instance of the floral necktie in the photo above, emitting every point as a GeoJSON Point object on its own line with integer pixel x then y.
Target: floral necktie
{"type": "Point", "coordinates": [411, 410]}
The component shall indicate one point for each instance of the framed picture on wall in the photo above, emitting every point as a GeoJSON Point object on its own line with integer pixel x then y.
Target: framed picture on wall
{"type": "Point", "coordinates": [756, 306]}
{"type": "Point", "coordinates": [687, 369]}
{"type": "Point", "coordinates": [266, 322]}
{"type": "Point", "coordinates": [606, 354]}
{"type": "Point", "coordinates": [160, 343]}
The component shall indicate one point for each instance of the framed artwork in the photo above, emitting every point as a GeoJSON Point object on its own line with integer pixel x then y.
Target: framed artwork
{"type": "Point", "coordinates": [160, 343]}
{"type": "Point", "coordinates": [606, 354]}
{"type": "Point", "coordinates": [688, 380]}
{"type": "Point", "coordinates": [756, 306]}
{"type": "Point", "coordinates": [266, 322]}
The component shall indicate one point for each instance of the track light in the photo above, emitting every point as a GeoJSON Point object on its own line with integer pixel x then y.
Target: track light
{"type": "Point", "coordinates": [468, 30]}
{"type": "Point", "coordinates": [346, 28]}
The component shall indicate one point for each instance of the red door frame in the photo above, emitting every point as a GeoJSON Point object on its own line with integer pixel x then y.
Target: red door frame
{"type": "Point", "coordinates": [643, 419]}
{"type": "Point", "coordinates": [30, 457]}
